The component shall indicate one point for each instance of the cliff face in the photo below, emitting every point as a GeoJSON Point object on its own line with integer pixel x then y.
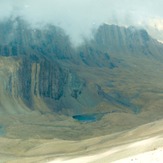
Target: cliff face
{"type": "Point", "coordinates": [44, 80]}
{"type": "Point", "coordinates": [46, 65]}
{"type": "Point", "coordinates": [44, 72]}
{"type": "Point", "coordinates": [121, 40]}
{"type": "Point", "coordinates": [38, 73]}
{"type": "Point", "coordinates": [18, 38]}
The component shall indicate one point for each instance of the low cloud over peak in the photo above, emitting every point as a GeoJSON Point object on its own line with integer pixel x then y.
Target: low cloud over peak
{"type": "Point", "coordinates": [79, 17]}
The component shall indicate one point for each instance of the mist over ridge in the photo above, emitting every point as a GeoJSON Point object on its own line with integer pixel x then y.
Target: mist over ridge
{"type": "Point", "coordinates": [79, 18]}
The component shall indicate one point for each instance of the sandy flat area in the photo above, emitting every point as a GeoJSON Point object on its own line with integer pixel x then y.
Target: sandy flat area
{"type": "Point", "coordinates": [155, 155]}
{"type": "Point", "coordinates": [141, 145]}
{"type": "Point", "coordinates": [128, 154]}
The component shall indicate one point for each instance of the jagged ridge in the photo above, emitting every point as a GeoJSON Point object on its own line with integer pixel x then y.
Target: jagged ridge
{"type": "Point", "coordinates": [47, 62]}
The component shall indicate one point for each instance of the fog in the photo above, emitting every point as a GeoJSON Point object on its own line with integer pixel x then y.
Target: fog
{"type": "Point", "coordinates": [79, 17]}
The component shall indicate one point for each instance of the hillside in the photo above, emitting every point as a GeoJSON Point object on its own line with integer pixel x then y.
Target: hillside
{"type": "Point", "coordinates": [50, 89]}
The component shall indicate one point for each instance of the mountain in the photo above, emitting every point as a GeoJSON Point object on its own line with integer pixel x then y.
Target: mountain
{"type": "Point", "coordinates": [126, 40]}
{"type": "Point", "coordinates": [113, 80]}
{"type": "Point", "coordinates": [43, 71]}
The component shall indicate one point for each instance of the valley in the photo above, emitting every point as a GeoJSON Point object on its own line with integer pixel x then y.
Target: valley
{"type": "Point", "coordinates": [60, 101]}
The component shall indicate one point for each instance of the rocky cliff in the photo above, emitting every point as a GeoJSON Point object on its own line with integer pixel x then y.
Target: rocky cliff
{"type": "Point", "coordinates": [46, 73]}
{"type": "Point", "coordinates": [120, 40]}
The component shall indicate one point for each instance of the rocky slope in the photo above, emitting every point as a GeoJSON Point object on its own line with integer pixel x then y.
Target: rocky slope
{"type": "Point", "coordinates": [131, 40]}
{"type": "Point", "coordinates": [49, 91]}
{"type": "Point", "coordinates": [45, 69]}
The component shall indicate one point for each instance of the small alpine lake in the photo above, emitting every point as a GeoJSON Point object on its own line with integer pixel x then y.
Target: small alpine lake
{"type": "Point", "coordinates": [88, 117]}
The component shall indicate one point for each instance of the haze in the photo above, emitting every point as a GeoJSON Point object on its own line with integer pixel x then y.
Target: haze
{"type": "Point", "coordinates": [79, 17]}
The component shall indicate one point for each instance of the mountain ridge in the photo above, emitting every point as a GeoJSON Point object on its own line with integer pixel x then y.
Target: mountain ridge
{"type": "Point", "coordinates": [96, 77]}
{"type": "Point", "coordinates": [44, 53]}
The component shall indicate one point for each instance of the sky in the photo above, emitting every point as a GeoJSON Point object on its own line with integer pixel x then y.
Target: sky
{"type": "Point", "coordinates": [80, 17]}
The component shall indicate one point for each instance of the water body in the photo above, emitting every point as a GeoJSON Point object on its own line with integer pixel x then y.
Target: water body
{"type": "Point", "coordinates": [88, 117]}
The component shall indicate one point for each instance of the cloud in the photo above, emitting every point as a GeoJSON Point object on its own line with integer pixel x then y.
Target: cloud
{"type": "Point", "coordinates": [79, 17]}
{"type": "Point", "coordinates": [156, 23]}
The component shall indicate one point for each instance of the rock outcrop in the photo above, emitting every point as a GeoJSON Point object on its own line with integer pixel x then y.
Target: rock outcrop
{"type": "Point", "coordinates": [46, 69]}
